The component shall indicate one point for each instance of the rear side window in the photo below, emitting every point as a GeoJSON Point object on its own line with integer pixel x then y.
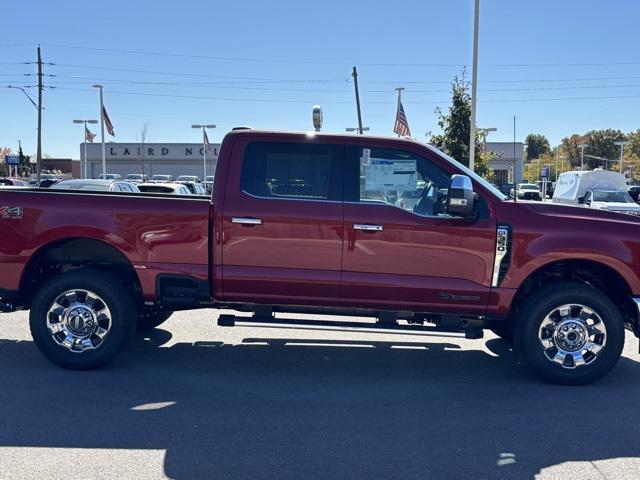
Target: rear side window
{"type": "Point", "coordinates": [291, 171]}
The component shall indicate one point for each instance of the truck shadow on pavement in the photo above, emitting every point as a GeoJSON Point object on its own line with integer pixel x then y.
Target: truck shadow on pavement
{"type": "Point", "coordinates": [298, 409]}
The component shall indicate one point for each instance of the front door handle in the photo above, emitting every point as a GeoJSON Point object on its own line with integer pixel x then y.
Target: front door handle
{"type": "Point", "coordinates": [368, 227]}
{"type": "Point", "coordinates": [246, 221]}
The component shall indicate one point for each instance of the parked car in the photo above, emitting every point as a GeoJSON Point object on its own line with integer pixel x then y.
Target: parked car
{"type": "Point", "coordinates": [194, 187]}
{"type": "Point", "coordinates": [136, 178]}
{"type": "Point", "coordinates": [109, 176]}
{"type": "Point", "coordinates": [208, 183]}
{"type": "Point", "coordinates": [43, 176]}
{"type": "Point", "coordinates": [528, 191]}
{"type": "Point", "coordinates": [162, 178]}
{"type": "Point", "coordinates": [167, 188]}
{"type": "Point", "coordinates": [506, 188]}
{"type": "Point", "coordinates": [634, 192]}
{"type": "Point", "coordinates": [611, 200]}
{"type": "Point", "coordinates": [13, 182]}
{"type": "Point", "coordinates": [188, 178]}
{"type": "Point", "coordinates": [287, 230]}
{"type": "Point", "coordinates": [97, 185]}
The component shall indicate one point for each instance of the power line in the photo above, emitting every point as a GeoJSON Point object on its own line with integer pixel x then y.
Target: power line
{"type": "Point", "coordinates": [317, 62]}
{"type": "Point", "coordinates": [429, 102]}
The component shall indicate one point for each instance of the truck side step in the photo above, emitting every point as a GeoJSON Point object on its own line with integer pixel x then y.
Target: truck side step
{"type": "Point", "coordinates": [233, 320]}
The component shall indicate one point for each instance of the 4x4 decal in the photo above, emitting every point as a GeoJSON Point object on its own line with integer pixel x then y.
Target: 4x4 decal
{"type": "Point", "coordinates": [11, 212]}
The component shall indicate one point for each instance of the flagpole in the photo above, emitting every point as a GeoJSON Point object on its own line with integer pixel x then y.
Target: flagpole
{"type": "Point", "coordinates": [204, 155]}
{"type": "Point", "coordinates": [399, 89]}
{"type": "Point", "coordinates": [104, 153]}
{"type": "Point", "coordinates": [85, 149]}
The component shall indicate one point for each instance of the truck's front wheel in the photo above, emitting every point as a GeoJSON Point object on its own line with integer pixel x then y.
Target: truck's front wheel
{"type": "Point", "coordinates": [569, 333]}
{"type": "Point", "coordinates": [81, 319]}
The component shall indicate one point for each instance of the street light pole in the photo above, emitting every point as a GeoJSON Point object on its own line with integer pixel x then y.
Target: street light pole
{"type": "Point", "coordinates": [474, 86]}
{"type": "Point", "coordinates": [204, 148]}
{"type": "Point", "coordinates": [582, 146]}
{"type": "Point", "coordinates": [622, 144]}
{"type": "Point", "coordinates": [104, 152]}
{"type": "Point", "coordinates": [85, 122]}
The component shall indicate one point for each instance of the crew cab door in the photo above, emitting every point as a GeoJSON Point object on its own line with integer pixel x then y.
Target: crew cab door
{"type": "Point", "coordinates": [402, 251]}
{"type": "Point", "coordinates": [282, 222]}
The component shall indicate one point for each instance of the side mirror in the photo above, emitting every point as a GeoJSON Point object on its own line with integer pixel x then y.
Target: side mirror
{"type": "Point", "coordinates": [581, 200]}
{"type": "Point", "coordinates": [461, 199]}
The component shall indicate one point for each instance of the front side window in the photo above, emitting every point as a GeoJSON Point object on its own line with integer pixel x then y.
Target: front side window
{"type": "Point", "coordinates": [403, 180]}
{"type": "Point", "coordinates": [290, 171]}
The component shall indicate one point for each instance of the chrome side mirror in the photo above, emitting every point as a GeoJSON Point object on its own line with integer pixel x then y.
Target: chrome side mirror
{"type": "Point", "coordinates": [460, 198]}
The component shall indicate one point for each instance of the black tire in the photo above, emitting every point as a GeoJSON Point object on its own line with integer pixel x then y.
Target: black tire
{"type": "Point", "coordinates": [149, 321]}
{"type": "Point", "coordinates": [116, 297]}
{"type": "Point", "coordinates": [540, 304]}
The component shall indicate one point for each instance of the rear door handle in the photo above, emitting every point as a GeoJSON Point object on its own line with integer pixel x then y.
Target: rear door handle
{"type": "Point", "coordinates": [246, 221]}
{"type": "Point", "coordinates": [368, 227]}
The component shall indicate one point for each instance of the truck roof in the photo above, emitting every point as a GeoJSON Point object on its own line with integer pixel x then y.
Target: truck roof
{"type": "Point", "coordinates": [310, 134]}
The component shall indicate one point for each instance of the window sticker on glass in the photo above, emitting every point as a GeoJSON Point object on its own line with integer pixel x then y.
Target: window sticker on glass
{"type": "Point", "coordinates": [399, 175]}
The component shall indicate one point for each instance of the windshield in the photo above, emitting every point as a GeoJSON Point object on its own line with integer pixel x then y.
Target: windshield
{"type": "Point", "coordinates": [161, 177]}
{"type": "Point", "coordinates": [477, 178]}
{"type": "Point", "coordinates": [617, 197]}
{"type": "Point", "coordinates": [528, 186]}
{"type": "Point", "coordinates": [134, 176]}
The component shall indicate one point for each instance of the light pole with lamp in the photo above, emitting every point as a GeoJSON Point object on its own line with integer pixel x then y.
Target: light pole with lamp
{"type": "Point", "coordinates": [85, 122]}
{"type": "Point", "coordinates": [204, 147]}
{"type": "Point", "coordinates": [582, 146]}
{"type": "Point", "coordinates": [104, 152]}
{"type": "Point", "coordinates": [621, 145]}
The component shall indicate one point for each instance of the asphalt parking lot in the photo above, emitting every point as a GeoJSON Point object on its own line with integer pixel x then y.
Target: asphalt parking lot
{"type": "Point", "coordinates": [193, 400]}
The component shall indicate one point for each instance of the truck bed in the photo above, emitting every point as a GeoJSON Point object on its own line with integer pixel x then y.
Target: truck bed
{"type": "Point", "coordinates": [158, 234]}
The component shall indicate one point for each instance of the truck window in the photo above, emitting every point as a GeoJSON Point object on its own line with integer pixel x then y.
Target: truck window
{"type": "Point", "coordinates": [402, 179]}
{"type": "Point", "coordinates": [290, 170]}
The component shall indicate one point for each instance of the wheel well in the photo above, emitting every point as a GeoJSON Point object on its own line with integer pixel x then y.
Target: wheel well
{"type": "Point", "coordinates": [71, 253]}
{"type": "Point", "coordinates": [589, 272]}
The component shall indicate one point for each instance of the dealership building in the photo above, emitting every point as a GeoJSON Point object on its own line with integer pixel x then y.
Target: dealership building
{"type": "Point", "coordinates": [149, 158]}
{"type": "Point", "coordinates": [508, 161]}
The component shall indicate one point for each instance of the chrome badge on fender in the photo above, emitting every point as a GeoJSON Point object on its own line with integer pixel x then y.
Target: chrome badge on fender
{"type": "Point", "coordinates": [11, 212]}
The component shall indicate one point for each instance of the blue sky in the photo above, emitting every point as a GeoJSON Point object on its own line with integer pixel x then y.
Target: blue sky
{"type": "Point", "coordinates": [265, 64]}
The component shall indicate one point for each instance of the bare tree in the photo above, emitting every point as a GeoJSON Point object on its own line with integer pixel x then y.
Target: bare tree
{"type": "Point", "coordinates": [141, 138]}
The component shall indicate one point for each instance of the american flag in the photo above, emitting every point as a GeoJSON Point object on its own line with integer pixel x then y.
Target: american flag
{"type": "Point", "coordinates": [88, 135]}
{"type": "Point", "coordinates": [206, 140]}
{"type": "Point", "coordinates": [401, 126]}
{"type": "Point", "coordinates": [107, 122]}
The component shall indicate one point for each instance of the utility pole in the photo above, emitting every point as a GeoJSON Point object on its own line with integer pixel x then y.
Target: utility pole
{"type": "Point", "coordinates": [39, 147]}
{"type": "Point", "coordinates": [474, 87]}
{"type": "Point", "coordinates": [355, 83]}
{"type": "Point", "coordinates": [582, 146]}
{"type": "Point", "coordinates": [621, 144]}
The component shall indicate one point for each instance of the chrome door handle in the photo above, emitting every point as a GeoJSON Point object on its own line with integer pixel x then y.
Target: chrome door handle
{"type": "Point", "coordinates": [246, 221]}
{"type": "Point", "coordinates": [368, 228]}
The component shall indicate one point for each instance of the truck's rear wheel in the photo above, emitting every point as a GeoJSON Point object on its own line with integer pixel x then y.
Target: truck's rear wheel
{"type": "Point", "coordinates": [569, 333]}
{"type": "Point", "coordinates": [81, 319]}
{"type": "Point", "coordinates": [149, 321]}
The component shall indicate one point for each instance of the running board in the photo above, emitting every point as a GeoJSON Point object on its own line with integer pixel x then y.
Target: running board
{"type": "Point", "coordinates": [470, 332]}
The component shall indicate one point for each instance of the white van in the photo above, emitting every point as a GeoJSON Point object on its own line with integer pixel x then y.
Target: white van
{"type": "Point", "coordinates": [602, 189]}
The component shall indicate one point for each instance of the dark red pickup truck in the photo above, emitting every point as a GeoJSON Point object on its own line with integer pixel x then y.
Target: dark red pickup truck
{"type": "Point", "coordinates": [314, 223]}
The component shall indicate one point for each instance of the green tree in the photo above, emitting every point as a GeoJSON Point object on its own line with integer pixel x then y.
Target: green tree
{"type": "Point", "coordinates": [456, 129]}
{"type": "Point", "coordinates": [25, 162]}
{"type": "Point", "coordinates": [4, 169]}
{"type": "Point", "coordinates": [601, 143]}
{"type": "Point", "coordinates": [537, 146]}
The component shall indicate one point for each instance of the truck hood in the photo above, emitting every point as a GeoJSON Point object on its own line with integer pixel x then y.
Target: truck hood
{"type": "Point", "coordinates": [617, 206]}
{"type": "Point", "coordinates": [578, 211]}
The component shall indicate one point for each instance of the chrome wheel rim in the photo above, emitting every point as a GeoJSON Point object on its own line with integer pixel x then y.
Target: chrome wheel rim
{"type": "Point", "coordinates": [572, 336]}
{"type": "Point", "coordinates": [79, 320]}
